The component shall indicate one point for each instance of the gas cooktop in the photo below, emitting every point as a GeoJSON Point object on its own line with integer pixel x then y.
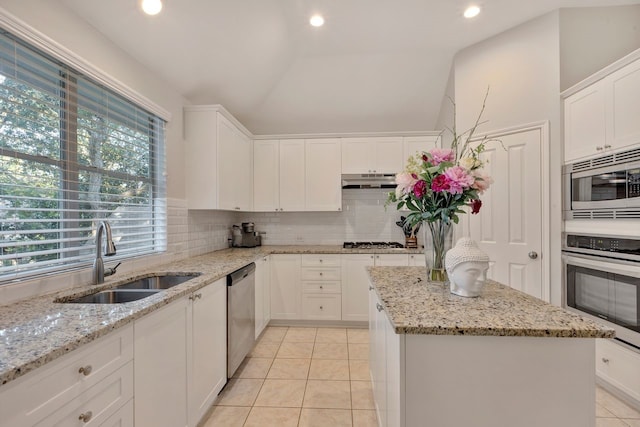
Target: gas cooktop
{"type": "Point", "coordinates": [372, 245]}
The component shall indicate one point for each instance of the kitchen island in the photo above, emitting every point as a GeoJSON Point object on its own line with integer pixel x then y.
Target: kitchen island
{"type": "Point", "coordinates": [500, 360]}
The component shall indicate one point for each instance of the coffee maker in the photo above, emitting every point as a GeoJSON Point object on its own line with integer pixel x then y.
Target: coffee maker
{"type": "Point", "coordinates": [245, 236]}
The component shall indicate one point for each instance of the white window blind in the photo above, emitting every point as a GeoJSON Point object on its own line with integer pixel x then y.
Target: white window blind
{"type": "Point", "coordinates": [72, 154]}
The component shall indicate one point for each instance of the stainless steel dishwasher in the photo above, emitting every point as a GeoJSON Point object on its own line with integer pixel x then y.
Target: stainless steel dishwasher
{"type": "Point", "coordinates": [241, 317]}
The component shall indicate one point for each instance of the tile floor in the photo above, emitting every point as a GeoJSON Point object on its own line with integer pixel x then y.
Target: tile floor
{"type": "Point", "coordinates": [314, 377]}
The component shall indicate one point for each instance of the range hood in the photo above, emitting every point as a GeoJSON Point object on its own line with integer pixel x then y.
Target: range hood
{"type": "Point", "coordinates": [368, 180]}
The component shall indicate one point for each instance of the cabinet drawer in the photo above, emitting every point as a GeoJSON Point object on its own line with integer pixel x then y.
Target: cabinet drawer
{"type": "Point", "coordinates": [321, 287]}
{"type": "Point", "coordinates": [618, 366]}
{"type": "Point", "coordinates": [321, 274]}
{"type": "Point", "coordinates": [44, 391]}
{"type": "Point", "coordinates": [321, 260]}
{"type": "Point", "coordinates": [321, 306]}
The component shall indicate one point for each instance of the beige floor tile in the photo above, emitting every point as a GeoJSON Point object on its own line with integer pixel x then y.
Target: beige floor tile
{"type": "Point", "coordinates": [273, 417]}
{"type": "Point", "coordinates": [327, 369]}
{"type": "Point", "coordinates": [327, 395]}
{"type": "Point", "coordinates": [264, 349]}
{"type": "Point", "coordinates": [295, 350]}
{"type": "Point", "coordinates": [359, 351]}
{"type": "Point", "coordinates": [325, 418]}
{"type": "Point", "coordinates": [239, 392]}
{"type": "Point", "coordinates": [300, 335]}
{"type": "Point", "coordinates": [289, 369]}
{"type": "Point", "coordinates": [362, 395]}
{"type": "Point", "coordinates": [253, 367]}
{"type": "Point", "coordinates": [358, 336]}
{"type": "Point", "coordinates": [632, 422]}
{"type": "Point", "coordinates": [273, 334]}
{"type": "Point", "coordinates": [281, 393]}
{"type": "Point", "coordinates": [324, 350]}
{"type": "Point", "coordinates": [359, 370]}
{"type": "Point", "coordinates": [614, 405]}
{"type": "Point", "coordinates": [364, 419]}
{"type": "Point", "coordinates": [336, 335]}
{"type": "Point", "coordinates": [227, 416]}
{"type": "Point", "coordinates": [610, 422]}
{"type": "Point", "coordinates": [602, 412]}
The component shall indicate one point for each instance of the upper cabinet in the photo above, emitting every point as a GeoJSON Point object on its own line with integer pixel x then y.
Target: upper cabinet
{"type": "Point", "coordinates": [372, 155]}
{"type": "Point", "coordinates": [323, 189]}
{"type": "Point", "coordinates": [604, 115]}
{"type": "Point", "coordinates": [266, 175]}
{"type": "Point", "coordinates": [418, 144]}
{"type": "Point", "coordinates": [292, 175]}
{"type": "Point", "coordinates": [219, 161]}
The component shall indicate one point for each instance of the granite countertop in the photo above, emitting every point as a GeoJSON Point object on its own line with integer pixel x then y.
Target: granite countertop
{"type": "Point", "coordinates": [415, 306]}
{"type": "Point", "coordinates": [36, 331]}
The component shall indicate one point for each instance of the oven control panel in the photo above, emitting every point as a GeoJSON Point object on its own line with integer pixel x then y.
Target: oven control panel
{"type": "Point", "coordinates": [603, 243]}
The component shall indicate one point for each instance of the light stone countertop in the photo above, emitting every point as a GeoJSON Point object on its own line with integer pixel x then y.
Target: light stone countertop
{"type": "Point", "coordinates": [415, 306]}
{"type": "Point", "coordinates": [36, 331]}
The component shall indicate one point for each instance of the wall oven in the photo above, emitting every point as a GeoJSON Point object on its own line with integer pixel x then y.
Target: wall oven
{"type": "Point", "coordinates": [602, 281]}
{"type": "Point", "coordinates": [604, 187]}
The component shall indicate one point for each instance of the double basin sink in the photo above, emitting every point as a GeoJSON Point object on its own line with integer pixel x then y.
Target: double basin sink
{"type": "Point", "coordinates": [132, 291]}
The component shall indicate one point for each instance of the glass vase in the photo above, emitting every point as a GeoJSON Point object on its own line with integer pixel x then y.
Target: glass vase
{"type": "Point", "coordinates": [438, 239]}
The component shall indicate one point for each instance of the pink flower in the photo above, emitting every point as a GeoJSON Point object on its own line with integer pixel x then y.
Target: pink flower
{"type": "Point", "coordinates": [440, 183]}
{"type": "Point", "coordinates": [459, 179]}
{"type": "Point", "coordinates": [405, 182]}
{"type": "Point", "coordinates": [439, 155]}
{"type": "Point", "coordinates": [475, 206]}
{"type": "Point", "coordinates": [420, 189]}
{"type": "Point", "coordinates": [482, 182]}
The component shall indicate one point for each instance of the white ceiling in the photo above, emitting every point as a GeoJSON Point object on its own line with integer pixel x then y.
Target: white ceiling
{"type": "Point", "coordinates": [376, 65]}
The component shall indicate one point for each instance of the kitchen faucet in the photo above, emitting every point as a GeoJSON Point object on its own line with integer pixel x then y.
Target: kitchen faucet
{"type": "Point", "coordinates": [98, 266]}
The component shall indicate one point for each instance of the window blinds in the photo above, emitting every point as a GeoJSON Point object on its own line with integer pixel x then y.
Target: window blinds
{"type": "Point", "coordinates": [72, 153]}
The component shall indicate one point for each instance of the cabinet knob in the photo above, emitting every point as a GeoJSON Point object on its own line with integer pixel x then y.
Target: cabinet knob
{"type": "Point", "coordinates": [237, 208]}
{"type": "Point", "coordinates": [321, 273]}
{"type": "Point", "coordinates": [371, 256]}
{"type": "Point", "coordinates": [85, 370]}
{"type": "Point", "coordinates": [339, 209]}
{"type": "Point", "coordinates": [379, 307]}
{"type": "Point", "coordinates": [320, 259]}
{"type": "Point", "coordinates": [199, 296]}
{"type": "Point", "coordinates": [607, 146]}
{"type": "Point", "coordinates": [321, 287]}
{"type": "Point", "coordinates": [605, 360]}
{"type": "Point", "coordinates": [321, 308]}
{"type": "Point", "coordinates": [85, 417]}
{"type": "Point", "coordinates": [370, 287]}
{"type": "Point", "coordinates": [598, 148]}
{"type": "Point", "coordinates": [192, 297]}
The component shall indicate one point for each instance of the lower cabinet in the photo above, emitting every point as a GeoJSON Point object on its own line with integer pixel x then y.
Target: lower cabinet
{"type": "Point", "coordinates": [263, 294]}
{"type": "Point", "coordinates": [285, 287]}
{"type": "Point", "coordinates": [618, 366]}
{"type": "Point", "coordinates": [180, 358]}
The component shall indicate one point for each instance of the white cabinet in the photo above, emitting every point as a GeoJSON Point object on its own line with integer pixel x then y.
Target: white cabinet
{"type": "Point", "coordinates": [372, 155]}
{"type": "Point", "coordinates": [323, 189]}
{"type": "Point", "coordinates": [216, 150]}
{"type": "Point", "coordinates": [603, 116]}
{"type": "Point", "coordinates": [95, 382]}
{"type": "Point", "coordinates": [618, 366]}
{"type": "Point", "coordinates": [321, 294]}
{"type": "Point", "coordinates": [263, 294]}
{"type": "Point", "coordinates": [419, 144]}
{"type": "Point", "coordinates": [180, 358]}
{"type": "Point", "coordinates": [355, 283]}
{"type": "Point", "coordinates": [391, 260]}
{"type": "Point", "coordinates": [285, 287]}
{"type": "Point", "coordinates": [292, 175]}
{"type": "Point", "coordinates": [417, 260]}
{"type": "Point", "coordinates": [266, 175]}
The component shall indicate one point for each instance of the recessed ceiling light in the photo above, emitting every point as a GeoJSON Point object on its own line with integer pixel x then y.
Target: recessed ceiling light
{"type": "Point", "coordinates": [471, 11]}
{"type": "Point", "coordinates": [151, 7]}
{"type": "Point", "coordinates": [316, 21]}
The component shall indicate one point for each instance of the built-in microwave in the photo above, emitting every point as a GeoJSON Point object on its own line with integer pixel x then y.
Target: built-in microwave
{"type": "Point", "coordinates": [606, 187]}
{"type": "Point", "coordinates": [602, 281]}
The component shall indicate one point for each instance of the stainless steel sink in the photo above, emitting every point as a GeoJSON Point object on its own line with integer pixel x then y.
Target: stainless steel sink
{"type": "Point", "coordinates": [114, 296]}
{"type": "Point", "coordinates": [157, 282]}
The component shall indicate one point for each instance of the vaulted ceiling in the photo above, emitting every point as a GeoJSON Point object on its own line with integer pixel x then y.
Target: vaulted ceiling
{"type": "Point", "coordinates": [376, 65]}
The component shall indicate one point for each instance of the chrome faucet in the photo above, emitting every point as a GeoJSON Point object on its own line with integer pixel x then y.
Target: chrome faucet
{"type": "Point", "coordinates": [98, 265]}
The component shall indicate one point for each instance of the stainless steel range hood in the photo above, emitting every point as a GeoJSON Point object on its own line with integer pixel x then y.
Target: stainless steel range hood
{"type": "Point", "coordinates": [368, 180]}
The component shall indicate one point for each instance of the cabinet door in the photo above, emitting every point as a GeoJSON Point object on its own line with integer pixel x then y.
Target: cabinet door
{"type": "Point", "coordinates": [292, 175]}
{"type": "Point", "coordinates": [263, 297]}
{"type": "Point", "coordinates": [391, 260]}
{"type": "Point", "coordinates": [228, 165]}
{"type": "Point", "coordinates": [584, 123]}
{"type": "Point", "coordinates": [323, 190]}
{"type": "Point", "coordinates": [160, 366]}
{"type": "Point", "coordinates": [357, 156]}
{"type": "Point", "coordinates": [285, 287]}
{"type": "Point", "coordinates": [266, 175]}
{"type": "Point", "coordinates": [624, 95]}
{"type": "Point", "coordinates": [377, 357]}
{"type": "Point", "coordinates": [207, 345]}
{"type": "Point", "coordinates": [200, 130]}
{"type": "Point", "coordinates": [355, 285]}
{"type": "Point", "coordinates": [243, 174]}
{"type": "Point", "coordinates": [394, 371]}
{"type": "Point", "coordinates": [389, 155]}
{"type": "Point", "coordinates": [417, 260]}
{"type": "Point", "coordinates": [419, 144]}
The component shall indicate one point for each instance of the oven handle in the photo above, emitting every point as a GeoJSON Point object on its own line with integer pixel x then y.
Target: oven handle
{"type": "Point", "coordinates": [622, 267]}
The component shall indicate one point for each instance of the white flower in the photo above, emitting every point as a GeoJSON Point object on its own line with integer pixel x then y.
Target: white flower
{"type": "Point", "coordinates": [470, 163]}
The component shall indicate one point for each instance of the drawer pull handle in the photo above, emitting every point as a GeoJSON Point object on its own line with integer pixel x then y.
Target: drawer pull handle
{"type": "Point", "coordinates": [379, 307]}
{"type": "Point", "coordinates": [86, 416]}
{"type": "Point", "coordinates": [605, 360]}
{"type": "Point", "coordinates": [85, 370]}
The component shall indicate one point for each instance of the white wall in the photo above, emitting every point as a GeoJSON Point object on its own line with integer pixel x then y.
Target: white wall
{"type": "Point", "coordinates": [521, 67]}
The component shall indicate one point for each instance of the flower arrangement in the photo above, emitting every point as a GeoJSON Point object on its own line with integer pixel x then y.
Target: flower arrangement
{"type": "Point", "coordinates": [437, 184]}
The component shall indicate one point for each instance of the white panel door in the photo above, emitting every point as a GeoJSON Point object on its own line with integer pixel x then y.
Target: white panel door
{"type": "Point", "coordinates": [292, 175]}
{"type": "Point", "coordinates": [266, 175]}
{"type": "Point", "coordinates": [509, 225]}
{"type": "Point", "coordinates": [624, 93]}
{"type": "Point", "coordinates": [323, 190]}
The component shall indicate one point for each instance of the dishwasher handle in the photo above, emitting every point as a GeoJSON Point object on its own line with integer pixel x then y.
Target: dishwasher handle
{"type": "Point", "coordinates": [240, 274]}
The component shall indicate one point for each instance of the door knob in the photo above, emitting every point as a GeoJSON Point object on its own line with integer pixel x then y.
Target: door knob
{"type": "Point", "coordinates": [533, 255]}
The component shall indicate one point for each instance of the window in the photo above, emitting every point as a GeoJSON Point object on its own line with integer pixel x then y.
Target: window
{"type": "Point", "coordinates": [72, 153]}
